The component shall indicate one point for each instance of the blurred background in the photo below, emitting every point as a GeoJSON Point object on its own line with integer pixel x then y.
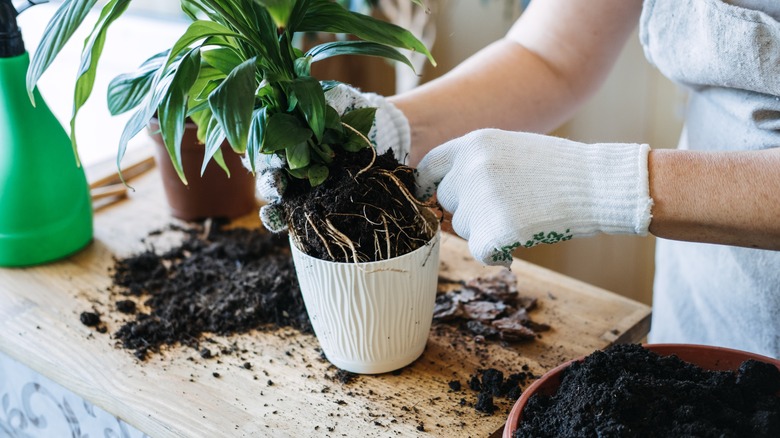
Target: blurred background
{"type": "Point", "coordinates": [636, 103]}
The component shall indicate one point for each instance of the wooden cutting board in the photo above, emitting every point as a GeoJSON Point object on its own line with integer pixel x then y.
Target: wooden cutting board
{"type": "Point", "coordinates": [289, 389]}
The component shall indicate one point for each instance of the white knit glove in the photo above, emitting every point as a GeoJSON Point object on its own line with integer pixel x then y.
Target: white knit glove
{"type": "Point", "coordinates": [512, 189]}
{"type": "Point", "coordinates": [390, 131]}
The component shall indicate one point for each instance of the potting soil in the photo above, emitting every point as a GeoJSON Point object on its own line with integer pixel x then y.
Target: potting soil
{"type": "Point", "coordinates": [228, 281]}
{"type": "Point", "coordinates": [629, 391]}
{"type": "Point", "coordinates": [372, 210]}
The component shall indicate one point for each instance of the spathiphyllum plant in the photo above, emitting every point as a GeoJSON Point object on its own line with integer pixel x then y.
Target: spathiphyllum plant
{"type": "Point", "coordinates": [237, 74]}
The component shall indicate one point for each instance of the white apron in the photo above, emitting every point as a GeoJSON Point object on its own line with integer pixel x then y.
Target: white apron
{"type": "Point", "coordinates": [727, 53]}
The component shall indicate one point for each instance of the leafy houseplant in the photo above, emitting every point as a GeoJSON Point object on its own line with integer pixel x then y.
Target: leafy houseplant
{"type": "Point", "coordinates": [237, 74]}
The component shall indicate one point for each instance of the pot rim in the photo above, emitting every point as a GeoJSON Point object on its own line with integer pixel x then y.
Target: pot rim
{"type": "Point", "coordinates": [430, 245]}
{"type": "Point", "coordinates": [665, 349]}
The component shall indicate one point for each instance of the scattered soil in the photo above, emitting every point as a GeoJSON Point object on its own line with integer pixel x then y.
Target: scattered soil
{"type": "Point", "coordinates": [90, 319]}
{"type": "Point", "coordinates": [217, 280]}
{"type": "Point", "coordinates": [490, 383]}
{"type": "Point", "coordinates": [356, 215]}
{"type": "Point", "coordinates": [627, 390]}
{"type": "Point", "coordinates": [224, 280]}
{"type": "Point", "coordinates": [126, 306]}
{"type": "Point", "coordinates": [490, 308]}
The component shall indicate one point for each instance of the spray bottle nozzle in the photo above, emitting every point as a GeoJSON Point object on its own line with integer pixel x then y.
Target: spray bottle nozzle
{"type": "Point", "coordinates": [11, 43]}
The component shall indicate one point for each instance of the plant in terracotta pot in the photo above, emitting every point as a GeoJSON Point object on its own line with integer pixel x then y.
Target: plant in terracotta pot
{"type": "Point", "coordinates": [365, 250]}
{"type": "Point", "coordinates": [208, 191]}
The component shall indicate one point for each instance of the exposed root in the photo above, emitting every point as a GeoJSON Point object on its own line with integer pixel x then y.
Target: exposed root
{"type": "Point", "coordinates": [412, 200]}
{"type": "Point", "coordinates": [339, 236]}
{"type": "Point", "coordinates": [316, 231]}
{"type": "Point", "coordinates": [387, 235]}
{"type": "Point", "coordinates": [368, 142]}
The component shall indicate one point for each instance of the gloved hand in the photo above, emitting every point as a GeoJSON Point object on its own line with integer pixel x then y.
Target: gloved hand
{"type": "Point", "coordinates": [390, 131]}
{"type": "Point", "coordinates": [512, 189]}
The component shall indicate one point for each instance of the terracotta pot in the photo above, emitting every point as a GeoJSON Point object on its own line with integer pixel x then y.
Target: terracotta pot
{"type": "Point", "coordinates": [373, 317]}
{"type": "Point", "coordinates": [707, 357]}
{"type": "Point", "coordinates": [210, 195]}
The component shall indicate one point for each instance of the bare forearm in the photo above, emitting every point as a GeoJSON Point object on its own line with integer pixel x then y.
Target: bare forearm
{"type": "Point", "coordinates": [728, 198]}
{"type": "Point", "coordinates": [534, 79]}
{"type": "Point", "coordinates": [508, 95]}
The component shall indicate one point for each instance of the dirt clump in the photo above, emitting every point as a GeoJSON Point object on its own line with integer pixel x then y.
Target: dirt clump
{"type": "Point", "coordinates": [490, 308]}
{"type": "Point", "coordinates": [490, 383]}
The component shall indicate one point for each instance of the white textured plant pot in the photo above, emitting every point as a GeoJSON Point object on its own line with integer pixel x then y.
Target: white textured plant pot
{"type": "Point", "coordinates": [371, 317]}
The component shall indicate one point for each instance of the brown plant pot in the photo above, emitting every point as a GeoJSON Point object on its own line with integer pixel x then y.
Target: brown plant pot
{"type": "Point", "coordinates": [703, 356]}
{"type": "Point", "coordinates": [211, 195]}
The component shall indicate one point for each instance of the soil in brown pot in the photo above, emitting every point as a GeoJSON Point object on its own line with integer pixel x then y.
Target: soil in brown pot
{"type": "Point", "coordinates": [365, 211]}
{"type": "Point", "coordinates": [628, 391]}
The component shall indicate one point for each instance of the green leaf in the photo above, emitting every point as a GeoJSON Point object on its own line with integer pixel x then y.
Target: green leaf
{"type": "Point", "coordinates": [297, 15]}
{"type": "Point", "coordinates": [280, 10]}
{"type": "Point", "coordinates": [303, 66]}
{"type": "Point", "coordinates": [324, 151]}
{"type": "Point", "coordinates": [208, 80]}
{"type": "Point", "coordinates": [201, 119]}
{"type": "Point", "coordinates": [220, 160]}
{"type": "Point", "coordinates": [283, 131]}
{"type": "Point", "coordinates": [90, 55]}
{"type": "Point", "coordinates": [199, 30]}
{"type": "Point", "coordinates": [364, 48]}
{"type": "Point", "coordinates": [255, 141]}
{"type": "Point", "coordinates": [206, 90]}
{"type": "Point", "coordinates": [361, 119]}
{"type": "Point", "coordinates": [141, 117]}
{"type": "Point", "coordinates": [223, 59]}
{"type": "Point", "coordinates": [128, 90]}
{"type": "Point", "coordinates": [332, 119]}
{"type": "Point", "coordinates": [215, 136]}
{"type": "Point", "coordinates": [61, 27]}
{"type": "Point", "coordinates": [299, 173]}
{"type": "Point", "coordinates": [311, 101]}
{"type": "Point", "coordinates": [232, 103]}
{"type": "Point", "coordinates": [190, 10]}
{"type": "Point", "coordinates": [197, 108]}
{"type": "Point", "coordinates": [317, 174]}
{"type": "Point", "coordinates": [173, 107]}
{"type": "Point", "coordinates": [298, 156]}
{"type": "Point", "coordinates": [327, 16]}
{"type": "Point", "coordinates": [328, 84]}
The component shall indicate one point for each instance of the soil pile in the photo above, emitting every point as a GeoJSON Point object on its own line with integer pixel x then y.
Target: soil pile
{"type": "Point", "coordinates": [627, 390]}
{"type": "Point", "coordinates": [219, 280]}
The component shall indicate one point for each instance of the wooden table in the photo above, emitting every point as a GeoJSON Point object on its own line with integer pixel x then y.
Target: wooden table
{"type": "Point", "coordinates": [290, 390]}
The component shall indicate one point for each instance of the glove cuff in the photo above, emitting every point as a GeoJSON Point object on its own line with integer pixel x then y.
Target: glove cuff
{"type": "Point", "coordinates": [609, 185]}
{"type": "Point", "coordinates": [622, 192]}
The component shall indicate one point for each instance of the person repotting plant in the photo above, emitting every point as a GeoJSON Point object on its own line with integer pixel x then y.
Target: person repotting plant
{"type": "Point", "coordinates": [366, 250]}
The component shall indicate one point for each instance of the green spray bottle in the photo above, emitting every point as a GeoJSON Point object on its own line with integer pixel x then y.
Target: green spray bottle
{"type": "Point", "coordinates": [45, 206]}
